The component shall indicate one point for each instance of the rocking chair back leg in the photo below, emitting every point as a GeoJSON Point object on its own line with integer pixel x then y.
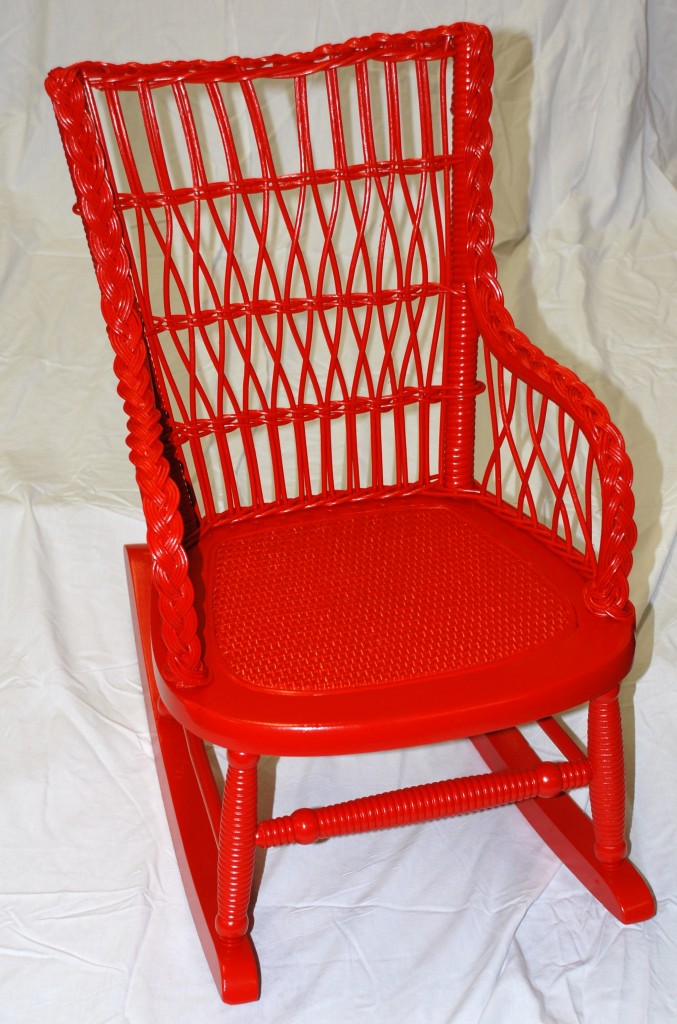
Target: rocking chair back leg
{"type": "Point", "coordinates": [607, 785]}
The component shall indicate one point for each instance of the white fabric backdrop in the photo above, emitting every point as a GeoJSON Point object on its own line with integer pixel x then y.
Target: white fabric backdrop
{"type": "Point", "coordinates": [464, 921]}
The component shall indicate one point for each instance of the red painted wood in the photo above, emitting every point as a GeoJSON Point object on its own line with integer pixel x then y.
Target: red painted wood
{"type": "Point", "coordinates": [607, 786]}
{"type": "Point", "coordinates": [339, 580]}
{"type": "Point", "coordinates": [568, 831]}
{"type": "Point", "coordinates": [427, 802]}
{"type": "Point", "coordinates": [332, 566]}
{"type": "Point", "coordinates": [205, 778]}
{"type": "Point", "coordinates": [237, 846]}
{"type": "Point", "coordinates": [233, 965]}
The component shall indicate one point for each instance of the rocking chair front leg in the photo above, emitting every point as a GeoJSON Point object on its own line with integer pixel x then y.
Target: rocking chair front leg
{"type": "Point", "coordinates": [237, 846]}
{"type": "Point", "coordinates": [607, 784]}
{"type": "Point", "coordinates": [235, 870]}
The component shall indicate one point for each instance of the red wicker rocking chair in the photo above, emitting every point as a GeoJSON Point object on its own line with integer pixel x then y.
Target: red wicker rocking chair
{"type": "Point", "coordinates": [377, 515]}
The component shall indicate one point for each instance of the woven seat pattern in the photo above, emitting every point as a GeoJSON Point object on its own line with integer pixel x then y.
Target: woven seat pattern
{"type": "Point", "coordinates": [375, 597]}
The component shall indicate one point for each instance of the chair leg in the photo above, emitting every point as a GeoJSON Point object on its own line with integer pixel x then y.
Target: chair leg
{"type": "Point", "coordinates": [569, 832]}
{"type": "Point", "coordinates": [607, 785]}
{"type": "Point", "coordinates": [237, 846]}
{"type": "Point", "coordinates": [232, 961]}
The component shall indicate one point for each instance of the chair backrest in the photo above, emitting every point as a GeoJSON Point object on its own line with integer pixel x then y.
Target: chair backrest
{"type": "Point", "coordinates": [288, 239]}
{"type": "Point", "coordinates": [292, 252]}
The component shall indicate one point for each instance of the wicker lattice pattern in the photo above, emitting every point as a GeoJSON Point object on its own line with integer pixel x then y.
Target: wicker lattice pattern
{"type": "Point", "coordinates": [294, 255]}
{"type": "Point", "coordinates": [296, 278]}
{"type": "Point", "coordinates": [159, 492]}
{"type": "Point", "coordinates": [438, 596]}
{"type": "Point", "coordinates": [582, 466]}
{"type": "Point", "coordinates": [344, 448]}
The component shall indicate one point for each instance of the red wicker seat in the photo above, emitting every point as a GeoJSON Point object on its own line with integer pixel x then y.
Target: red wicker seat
{"type": "Point", "coordinates": [456, 612]}
{"type": "Point", "coordinates": [377, 515]}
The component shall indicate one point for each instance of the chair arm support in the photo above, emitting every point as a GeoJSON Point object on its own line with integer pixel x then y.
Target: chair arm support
{"type": "Point", "coordinates": [609, 558]}
{"type": "Point", "coordinates": [608, 591]}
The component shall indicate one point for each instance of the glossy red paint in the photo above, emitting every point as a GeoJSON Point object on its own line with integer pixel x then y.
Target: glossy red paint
{"type": "Point", "coordinates": [377, 515]}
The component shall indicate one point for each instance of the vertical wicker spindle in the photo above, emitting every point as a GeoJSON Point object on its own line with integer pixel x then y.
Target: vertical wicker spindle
{"type": "Point", "coordinates": [460, 364]}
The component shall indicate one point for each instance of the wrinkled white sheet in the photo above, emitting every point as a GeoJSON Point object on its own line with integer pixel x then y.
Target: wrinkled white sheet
{"type": "Point", "coordinates": [464, 921]}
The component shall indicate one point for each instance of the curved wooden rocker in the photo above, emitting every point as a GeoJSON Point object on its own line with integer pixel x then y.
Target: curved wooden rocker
{"type": "Point", "coordinates": [309, 338]}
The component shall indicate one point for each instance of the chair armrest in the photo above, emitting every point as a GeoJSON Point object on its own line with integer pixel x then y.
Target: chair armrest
{"type": "Point", "coordinates": [540, 412]}
{"type": "Point", "coordinates": [529, 394]}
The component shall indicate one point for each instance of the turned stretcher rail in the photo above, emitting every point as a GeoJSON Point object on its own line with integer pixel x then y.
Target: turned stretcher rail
{"type": "Point", "coordinates": [423, 803]}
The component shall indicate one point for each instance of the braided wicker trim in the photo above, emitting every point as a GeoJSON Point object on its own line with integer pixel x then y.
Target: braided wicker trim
{"type": "Point", "coordinates": [159, 493]}
{"type": "Point", "coordinates": [71, 93]}
{"type": "Point", "coordinates": [381, 46]}
{"type": "Point", "coordinates": [608, 592]}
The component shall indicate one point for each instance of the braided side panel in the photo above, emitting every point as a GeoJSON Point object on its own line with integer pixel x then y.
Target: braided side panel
{"type": "Point", "coordinates": [159, 493]}
{"type": "Point", "coordinates": [608, 591]}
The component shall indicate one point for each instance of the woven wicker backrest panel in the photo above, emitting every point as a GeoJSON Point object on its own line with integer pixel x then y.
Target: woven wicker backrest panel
{"type": "Point", "coordinates": [288, 223]}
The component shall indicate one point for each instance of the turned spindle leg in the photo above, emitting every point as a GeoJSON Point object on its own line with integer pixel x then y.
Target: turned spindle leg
{"type": "Point", "coordinates": [607, 785]}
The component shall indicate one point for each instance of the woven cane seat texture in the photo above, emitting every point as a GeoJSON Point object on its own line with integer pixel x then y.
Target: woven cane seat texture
{"type": "Point", "coordinates": [407, 618]}
{"type": "Point", "coordinates": [373, 597]}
